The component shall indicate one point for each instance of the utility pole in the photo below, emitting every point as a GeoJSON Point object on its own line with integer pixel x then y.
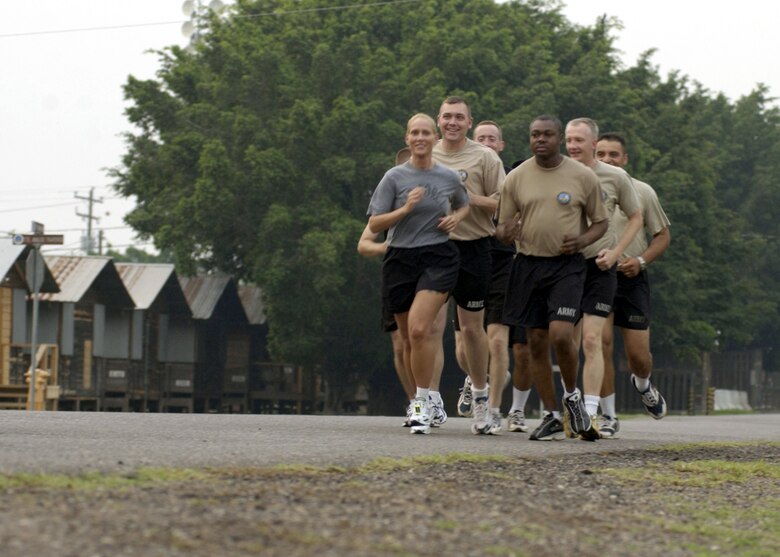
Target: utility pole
{"type": "Point", "coordinates": [89, 216]}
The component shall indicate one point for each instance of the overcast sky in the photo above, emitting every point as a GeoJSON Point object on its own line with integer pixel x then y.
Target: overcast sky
{"type": "Point", "coordinates": [61, 113]}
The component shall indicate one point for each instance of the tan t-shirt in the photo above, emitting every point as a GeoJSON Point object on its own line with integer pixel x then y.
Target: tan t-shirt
{"type": "Point", "coordinates": [653, 214]}
{"type": "Point", "coordinates": [616, 189]}
{"type": "Point", "coordinates": [482, 173]}
{"type": "Point", "coordinates": [552, 202]}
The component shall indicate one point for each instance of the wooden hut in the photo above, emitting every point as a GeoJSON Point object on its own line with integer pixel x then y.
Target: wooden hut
{"type": "Point", "coordinates": [221, 343]}
{"type": "Point", "coordinates": [91, 318]}
{"type": "Point", "coordinates": [15, 327]}
{"type": "Point", "coordinates": [161, 351]}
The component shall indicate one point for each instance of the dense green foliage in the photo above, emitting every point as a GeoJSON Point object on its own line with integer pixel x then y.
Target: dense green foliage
{"type": "Point", "coordinates": [257, 153]}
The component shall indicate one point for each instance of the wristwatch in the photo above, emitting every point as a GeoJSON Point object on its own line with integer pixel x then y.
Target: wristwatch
{"type": "Point", "coordinates": [642, 262]}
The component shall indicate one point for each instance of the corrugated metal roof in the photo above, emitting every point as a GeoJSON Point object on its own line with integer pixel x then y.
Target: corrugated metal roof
{"type": "Point", "coordinates": [13, 275]}
{"type": "Point", "coordinates": [145, 281]}
{"type": "Point", "coordinates": [203, 293]}
{"type": "Point", "coordinates": [251, 299]}
{"type": "Point", "coordinates": [77, 274]}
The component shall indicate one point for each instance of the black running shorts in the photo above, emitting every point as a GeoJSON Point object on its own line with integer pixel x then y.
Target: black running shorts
{"type": "Point", "coordinates": [471, 290]}
{"type": "Point", "coordinates": [544, 289]}
{"type": "Point", "coordinates": [388, 320]}
{"type": "Point", "coordinates": [517, 335]}
{"type": "Point", "coordinates": [632, 302]}
{"type": "Point", "coordinates": [406, 271]}
{"type": "Point", "coordinates": [600, 287]}
{"type": "Point", "coordinates": [501, 265]}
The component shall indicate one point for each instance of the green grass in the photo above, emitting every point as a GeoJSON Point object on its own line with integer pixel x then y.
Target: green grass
{"type": "Point", "coordinates": [97, 480]}
{"type": "Point", "coordinates": [447, 525]}
{"type": "Point", "coordinates": [385, 464]}
{"type": "Point", "coordinates": [701, 473]}
{"type": "Point", "coordinates": [713, 524]}
{"type": "Point", "coordinates": [146, 476]}
{"type": "Point", "coordinates": [722, 529]}
{"type": "Point", "coordinates": [685, 497]}
{"type": "Point", "coordinates": [305, 469]}
{"type": "Point", "coordinates": [684, 447]}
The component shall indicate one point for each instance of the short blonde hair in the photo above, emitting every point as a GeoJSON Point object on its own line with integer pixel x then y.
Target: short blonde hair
{"type": "Point", "coordinates": [421, 116]}
{"type": "Point", "coordinates": [491, 123]}
{"type": "Point", "coordinates": [590, 123]}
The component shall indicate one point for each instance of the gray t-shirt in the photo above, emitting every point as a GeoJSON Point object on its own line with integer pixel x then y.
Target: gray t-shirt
{"type": "Point", "coordinates": [443, 191]}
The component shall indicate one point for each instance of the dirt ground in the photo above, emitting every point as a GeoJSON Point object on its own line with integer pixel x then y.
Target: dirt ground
{"type": "Point", "coordinates": [596, 504]}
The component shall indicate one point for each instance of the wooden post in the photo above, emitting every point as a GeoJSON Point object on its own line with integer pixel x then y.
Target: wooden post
{"type": "Point", "coordinates": [6, 303]}
{"type": "Point", "coordinates": [5, 365]}
{"type": "Point", "coordinates": [710, 401]}
{"type": "Point", "coordinates": [87, 371]}
{"type": "Point", "coordinates": [706, 378]}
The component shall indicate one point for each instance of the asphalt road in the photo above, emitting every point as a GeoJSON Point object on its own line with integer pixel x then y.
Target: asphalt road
{"type": "Point", "coordinates": [74, 442]}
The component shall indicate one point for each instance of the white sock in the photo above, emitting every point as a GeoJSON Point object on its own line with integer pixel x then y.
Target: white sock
{"type": "Point", "coordinates": [642, 383]}
{"type": "Point", "coordinates": [592, 404]}
{"type": "Point", "coordinates": [479, 393]}
{"type": "Point", "coordinates": [608, 405]}
{"type": "Point", "coordinates": [435, 396]}
{"type": "Point", "coordinates": [567, 394]}
{"type": "Point", "coordinates": [519, 398]}
{"type": "Point", "coordinates": [556, 414]}
{"type": "Point", "coordinates": [495, 410]}
{"type": "Point", "coordinates": [423, 393]}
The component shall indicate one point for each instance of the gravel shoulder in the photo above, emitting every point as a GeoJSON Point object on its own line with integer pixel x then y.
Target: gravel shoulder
{"type": "Point", "coordinates": [699, 499]}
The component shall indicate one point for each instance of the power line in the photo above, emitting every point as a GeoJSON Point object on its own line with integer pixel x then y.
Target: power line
{"type": "Point", "coordinates": [96, 228]}
{"type": "Point", "coordinates": [87, 29]}
{"type": "Point", "coordinates": [180, 21]}
{"type": "Point", "coordinates": [77, 246]}
{"type": "Point", "coordinates": [21, 197]}
{"type": "Point", "coordinates": [37, 207]}
{"type": "Point", "coordinates": [7, 188]}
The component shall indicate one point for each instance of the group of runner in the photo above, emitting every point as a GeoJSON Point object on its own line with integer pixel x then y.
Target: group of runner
{"type": "Point", "coordinates": [542, 258]}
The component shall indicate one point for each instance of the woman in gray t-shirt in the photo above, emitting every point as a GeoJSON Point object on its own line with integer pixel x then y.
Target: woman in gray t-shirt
{"type": "Point", "coordinates": [421, 202]}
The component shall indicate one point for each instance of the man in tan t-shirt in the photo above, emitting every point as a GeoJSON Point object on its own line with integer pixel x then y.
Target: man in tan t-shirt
{"type": "Point", "coordinates": [483, 174]}
{"type": "Point", "coordinates": [600, 259]}
{"type": "Point", "coordinates": [546, 205]}
{"type": "Point", "coordinates": [631, 312]}
{"type": "Point", "coordinates": [488, 133]}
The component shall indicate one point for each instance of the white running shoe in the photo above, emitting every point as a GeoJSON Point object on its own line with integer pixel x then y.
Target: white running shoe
{"type": "Point", "coordinates": [609, 427]}
{"type": "Point", "coordinates": [465, 402]}
{"type": "Point", "coordinates": [438, 415]}
{"type": "Point", "coordinates": [482, 419]}
{"type": "Point", "coordinates": [516, 421]}
{"type": "Point", "coordinates": [408, 420]}
{"type": "Point", "coordinates": [652, 399]}
{"type": "Point", "coordinates": [421, 416]}
{"type": "Point", "coordinates": [575, 417]}
{"type": "Point", "coordinates": [495, 423]}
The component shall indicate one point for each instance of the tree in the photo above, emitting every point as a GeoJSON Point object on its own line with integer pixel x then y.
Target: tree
{"type": "Point", "coordinates": [257, 154]}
